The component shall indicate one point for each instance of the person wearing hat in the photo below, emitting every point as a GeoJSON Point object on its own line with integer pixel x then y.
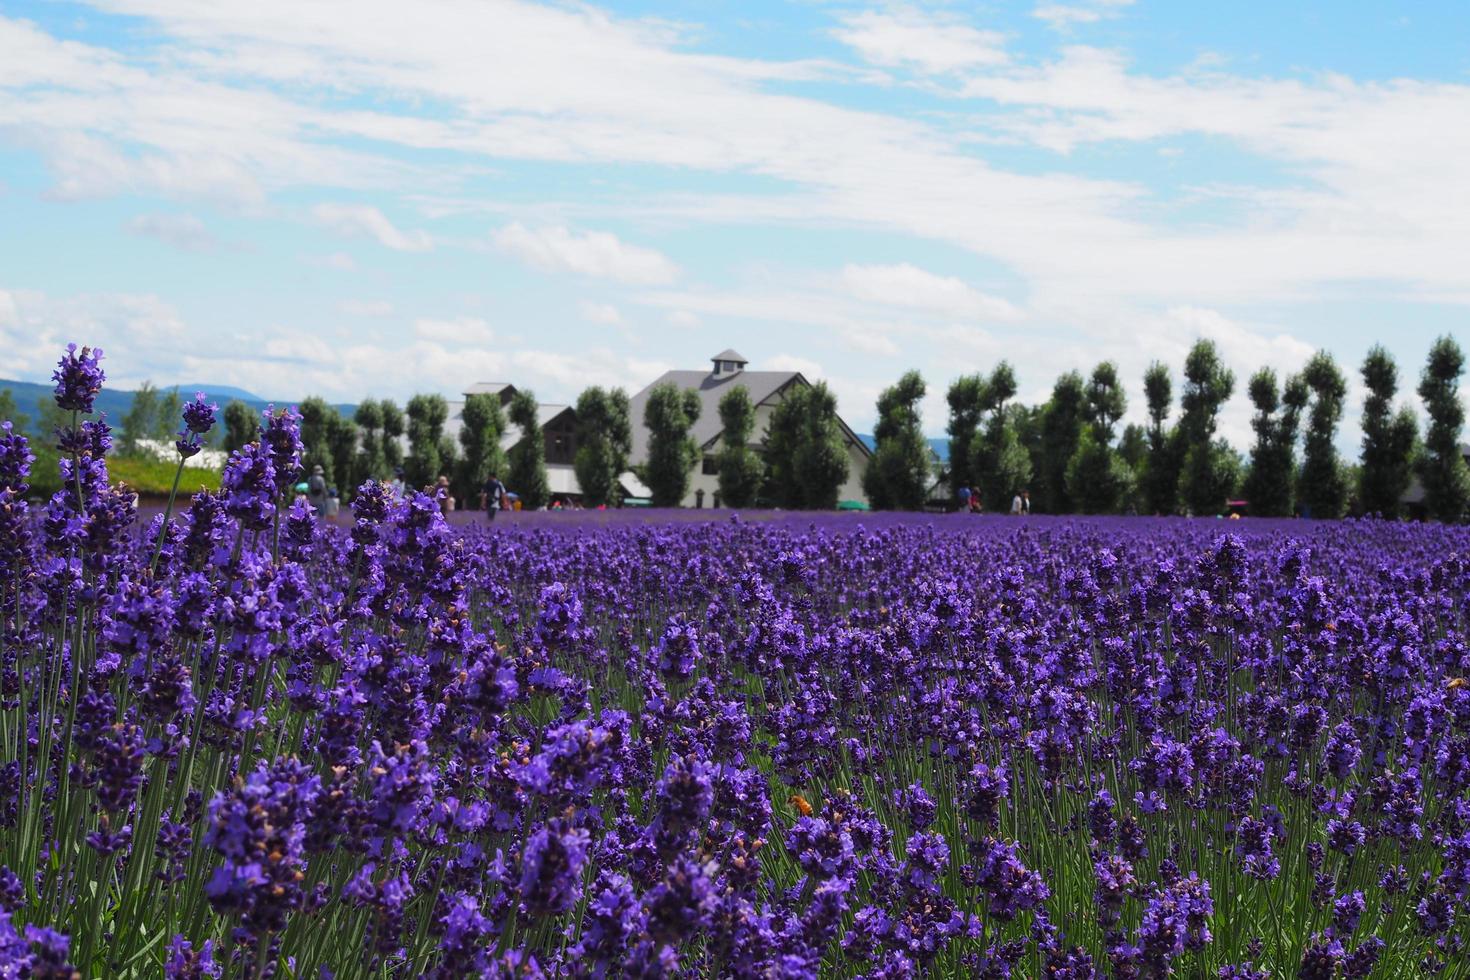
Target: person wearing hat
{"type": "Point", "coordinates": [316, 490]}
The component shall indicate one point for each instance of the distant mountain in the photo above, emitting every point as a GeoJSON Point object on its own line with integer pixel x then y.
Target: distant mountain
{"type": "Point", "coordinates": [223, 393]}
{"type": "Point", "coordinates": [115, 403]}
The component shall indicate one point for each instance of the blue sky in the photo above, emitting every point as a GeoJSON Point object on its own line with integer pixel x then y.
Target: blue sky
{"type": "Point", "coordinates": [376, 198]}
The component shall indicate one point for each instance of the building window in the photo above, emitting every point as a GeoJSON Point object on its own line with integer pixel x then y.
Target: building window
{"type": "Point", "coordinates": [710, 466]}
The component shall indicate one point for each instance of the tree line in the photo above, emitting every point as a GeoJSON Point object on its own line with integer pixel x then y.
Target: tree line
{"type": "Point", "coordinates": [1072, 457]}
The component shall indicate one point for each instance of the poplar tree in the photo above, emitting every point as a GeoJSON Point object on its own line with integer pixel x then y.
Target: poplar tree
{"type": "Point", "coordinates": [1388, 439]}
{"type": "Point", "coordinates": [966, 397]}
{"type": "Point", "coordinates": [1442, 468]}
{"type": "Point", "coordinates": [370, 464]}
{"type": "Point", "coordinates": [740, 469]}
{"type": "Point", "coordinates": [1001, 464]}
{"type": "Point", "coordinates": [426, 450]}
{"type": "Point", "coordinates": [1097, 480]}
{"type": "Point", "coordinates": [669, 414]}
{"type": "Point", "coordinates": [1159, 483]}
{"type": "Point", "coordinates": [897, 477]}
{"type": "Point", "coordinates": [316, 450]}
{"type": "Point", "coordinates": [242, 425]}
{"type": "Point", "coordinates": [1061, 430]}
{"type": "Point", "coordinates": [1268, 486]}
{"type": "Point", "coordinates": [805, 451]}
{"type": "Point", "coordinates": [481, 425]}
{"type": "Point", "coordinates": [1209, 467]}
{"type": "Point", "coordinates": [528, 456]}
{"type": "Point", "coordinates": [140, 421]}
{"type": "Point", "coordinates": [604, 439]}
{"type": "Point", "coordinates": [1323, 486]}
{"type": "Point", "coordinates": [393, 429]}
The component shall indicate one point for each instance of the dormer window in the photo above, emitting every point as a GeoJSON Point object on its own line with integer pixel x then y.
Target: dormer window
{"type": "Point", "coordinates": [728, 362]}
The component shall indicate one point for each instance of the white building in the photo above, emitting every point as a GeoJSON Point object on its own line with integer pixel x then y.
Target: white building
{"type": "Point", "coordinates": [766, 389]}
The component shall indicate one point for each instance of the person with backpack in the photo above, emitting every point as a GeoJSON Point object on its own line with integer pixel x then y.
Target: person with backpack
{"type": "Point", "coordinates": [316, 491]}
{"type": "Point", "coordinates": [495, 496]}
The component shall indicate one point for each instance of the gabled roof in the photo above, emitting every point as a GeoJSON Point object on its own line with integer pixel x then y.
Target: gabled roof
{"type": "Point", "coordinates": [489, 388]}
{"type": "Point", "coordinates": [544, 415]}
{"type": "Point", "coordinates": [762, 387]}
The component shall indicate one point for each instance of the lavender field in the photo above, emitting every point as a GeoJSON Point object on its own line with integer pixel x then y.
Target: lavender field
{"type": "Point", "coordinates": [240, 743]}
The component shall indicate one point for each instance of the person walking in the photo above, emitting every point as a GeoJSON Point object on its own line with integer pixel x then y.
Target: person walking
{"type": "Point", "coordinates": [495, 496]}
{"type": "Point", "coordinates": [316, 491]}
{"type": "Point", "coordinates": [1016, 505]}
{"type": "Point", "coordinates": [396, 485]}
{"type": "Point", "coordinates": [964, 498]}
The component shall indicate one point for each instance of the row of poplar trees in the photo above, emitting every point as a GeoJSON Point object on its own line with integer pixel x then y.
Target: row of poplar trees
{"type": "Point", "coordinates": [1070, 455]}
{"type": "Point", "coordinates": [369, 445]}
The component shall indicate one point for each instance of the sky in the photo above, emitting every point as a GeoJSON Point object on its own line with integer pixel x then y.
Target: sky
{"type": "Point", "coordinates": [376, 198]}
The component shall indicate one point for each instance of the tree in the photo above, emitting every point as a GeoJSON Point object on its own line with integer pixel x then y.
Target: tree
{"type": "Point", "coordinates": [10, 413]}
{"type": "Point", "coordinates": [999, 463]}
{"type": "Point", "coordinates": [1442, 469]}
{"type": "Point", "coordinates": [1097, 480]}
{"type": "Point", "coordinates": [805, 453]}
{"type": "Point", "coordinates": [740, 469]}
{"type": "Point", "coordinates": [242, 425]}
{"type": "Point", "coordinates": [370, 464]}
{"type": "Point", "coordinates": [1159, 482]}
{"type": "Point", "coordinates": [1061, 431]}
{"type": "Point", "coordinates": [342, 448]}
{"type": "Point", "coordinates": [966, 399]}
{"type": "Point", "coordinates": [1388, 439]}
{"type": "Point", "coordinates": [1323, 487]}
{"type": "Point", "coordinates": [316, 422]}
{"type": "Point", "coordinates": [1268, 487]}
{"type": "Point", "coordinates": [897, 477]}
{"type": "Point", "coordinates": [140, 421]}
{"type": "Point", "coordinates": [481, 425]}
{"type": "Point", "coordinates": [1133, 448]}
{"type": "Point", "coordinates": [604, 439]}
{"type": "Point", "coordinates": [170, 415]}
{"type": "Point", "coordinates": [528, 455]}
{"type": "Point", "coordinates": [669, 414]}
{"type": "Point", "coordinates": [1209, 468]}
{"type": "Point", "coordinates": [393, 429]}
{"type": "Point", "coordinates": [426, 417]}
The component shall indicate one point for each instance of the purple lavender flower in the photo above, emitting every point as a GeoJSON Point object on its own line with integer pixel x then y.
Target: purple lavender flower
{"type": "Point", "coordinates": [249, 487]}
{"type": "Point", "coordinates": [551, 868]}
{"type": "Point", "coordinates": [78, 378]}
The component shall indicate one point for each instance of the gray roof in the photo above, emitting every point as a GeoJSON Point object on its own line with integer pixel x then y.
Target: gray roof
{"type": "Point", "coordinates": [544, 414]}
{"type": "Point", "coordinates": [761, 385]}
{"type": "Point", "coordinates": [729, 354]}
{"type": "Point", "coordinates": [489, 388]}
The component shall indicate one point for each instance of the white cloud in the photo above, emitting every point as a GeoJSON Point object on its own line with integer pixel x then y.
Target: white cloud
{"type": "Point", "coordinates": [35, 327]}
{"type": "Point", "coordinates": [466, 330]}
{"type": "Point", "coordinates": [810, 369]}
{"type": "Point", "coordinates": [365, 220]}
{"type": "Point", "coordinates": [598, 254]}
{"type": "Point", "coordinates": [600, 313]}
{"type": "Point", "coordinates": [906, 285]}
{"type": "Point", "coordinates": [183, 231]}
{"type": "Point", "coordinates": [908, 37]}
{"type": "Point", "coordinates": [366, 307]}
{"type": "Point", "coordinates": [682, 318]}
{"type": "Point", "coordinates": [1062, 16]}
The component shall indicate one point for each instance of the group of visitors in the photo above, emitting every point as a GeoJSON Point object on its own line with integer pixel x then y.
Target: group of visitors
{"type": "Point", "coordinates": [970, 501]}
